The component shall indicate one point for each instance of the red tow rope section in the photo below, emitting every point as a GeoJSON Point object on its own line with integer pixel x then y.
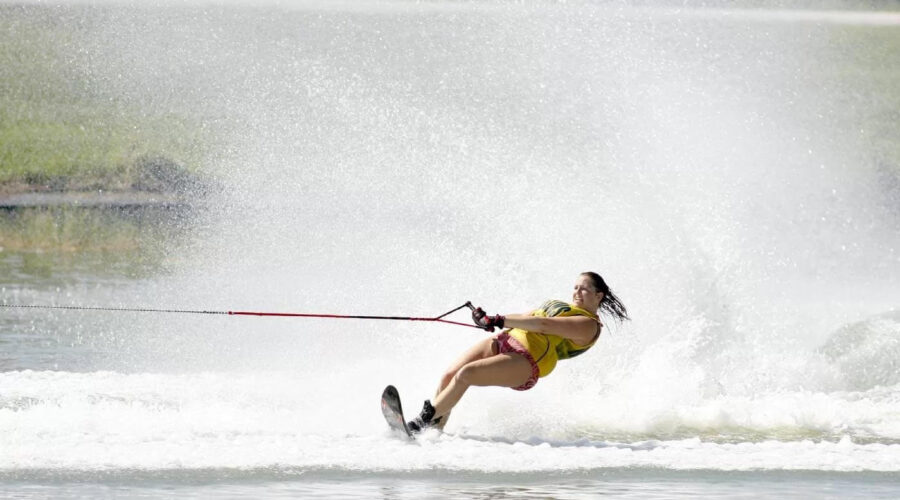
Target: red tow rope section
{"type": "Point", "coordinates": [436, 319]}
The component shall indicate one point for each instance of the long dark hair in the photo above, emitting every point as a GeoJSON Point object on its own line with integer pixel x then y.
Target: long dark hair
{"type": "Point", "coordinates": [610, 303]}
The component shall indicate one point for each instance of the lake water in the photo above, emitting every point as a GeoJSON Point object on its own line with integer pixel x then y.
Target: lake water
{"type": "Point", "coordinates": [729, 173]}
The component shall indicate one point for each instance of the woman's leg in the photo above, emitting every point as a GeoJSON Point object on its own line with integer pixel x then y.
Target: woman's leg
{"type": "Point", "coordinates": [483, 349]}
{"type": "Point", "coordinates": [505, 370]}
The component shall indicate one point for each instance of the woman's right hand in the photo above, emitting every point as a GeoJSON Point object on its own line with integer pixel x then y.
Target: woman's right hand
{"type": "Point", "coordinates": [485, 322]}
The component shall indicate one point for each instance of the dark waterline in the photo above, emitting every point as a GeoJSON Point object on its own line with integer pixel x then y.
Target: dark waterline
{"type": "Point", "coordinates": [618, 483]}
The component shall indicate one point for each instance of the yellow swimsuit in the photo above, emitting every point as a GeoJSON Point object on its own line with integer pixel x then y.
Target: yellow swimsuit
{"type": "Point", "coordinates": [547, 349]}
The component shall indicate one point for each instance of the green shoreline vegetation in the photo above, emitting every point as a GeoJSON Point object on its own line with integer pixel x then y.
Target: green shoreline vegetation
{"type": "Point", "coordinates": [59, 134]}
{"type": "Point", "coordinates": [62, 131]}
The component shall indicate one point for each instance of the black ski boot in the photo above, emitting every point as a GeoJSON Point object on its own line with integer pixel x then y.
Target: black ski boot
{"type": "Point", "coordinates": [424, 420]}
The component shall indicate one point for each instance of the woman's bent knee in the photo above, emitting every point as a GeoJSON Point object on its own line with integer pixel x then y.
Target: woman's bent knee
{"type": "Point", "coordinates": [448, 377]}
{"type": "Point", "coordinates": [464, 375]}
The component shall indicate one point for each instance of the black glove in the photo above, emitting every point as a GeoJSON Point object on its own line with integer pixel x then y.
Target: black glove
{"type": "Point", "coordinates": [486, 322]}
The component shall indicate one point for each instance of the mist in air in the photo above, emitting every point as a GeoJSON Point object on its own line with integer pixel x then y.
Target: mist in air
{"type": "Point", "coordinates": [399, 158]}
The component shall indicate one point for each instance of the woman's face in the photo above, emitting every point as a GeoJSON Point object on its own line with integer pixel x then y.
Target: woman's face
{"type": "Point", "coordinates": [585, 295]}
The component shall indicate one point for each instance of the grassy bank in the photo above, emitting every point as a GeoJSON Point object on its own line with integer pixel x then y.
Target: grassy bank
{"type": "Point", "coordinates": [60, 131]}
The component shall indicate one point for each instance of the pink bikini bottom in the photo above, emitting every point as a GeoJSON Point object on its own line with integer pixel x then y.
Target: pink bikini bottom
{"type": "Point", "coordinates": [507, 344]}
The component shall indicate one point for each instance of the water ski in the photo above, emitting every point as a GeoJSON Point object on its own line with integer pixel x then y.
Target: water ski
{"type": "Point", "coordinates": [393, 410]}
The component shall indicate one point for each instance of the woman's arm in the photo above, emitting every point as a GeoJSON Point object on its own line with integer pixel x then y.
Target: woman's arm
{"type": "Point", "coordinates": [579, 329]}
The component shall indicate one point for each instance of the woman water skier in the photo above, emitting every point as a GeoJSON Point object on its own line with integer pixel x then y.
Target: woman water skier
{"type": "Point", "coordinates": [528, 349]}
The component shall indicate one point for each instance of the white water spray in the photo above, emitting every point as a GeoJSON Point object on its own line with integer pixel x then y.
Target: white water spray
{"type": "Point", "coordinates": [406, 159]}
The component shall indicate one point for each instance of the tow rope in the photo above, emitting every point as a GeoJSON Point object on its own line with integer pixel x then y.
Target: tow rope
{"type": "Point", "coordinates": [436, 319]}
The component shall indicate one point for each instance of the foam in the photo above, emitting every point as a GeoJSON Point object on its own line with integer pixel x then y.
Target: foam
{"type": "Point", "coordinates": [112, 421]}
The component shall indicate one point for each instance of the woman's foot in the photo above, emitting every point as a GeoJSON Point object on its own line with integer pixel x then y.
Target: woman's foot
{"type": "Point", "coordinates": [425, 419]}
